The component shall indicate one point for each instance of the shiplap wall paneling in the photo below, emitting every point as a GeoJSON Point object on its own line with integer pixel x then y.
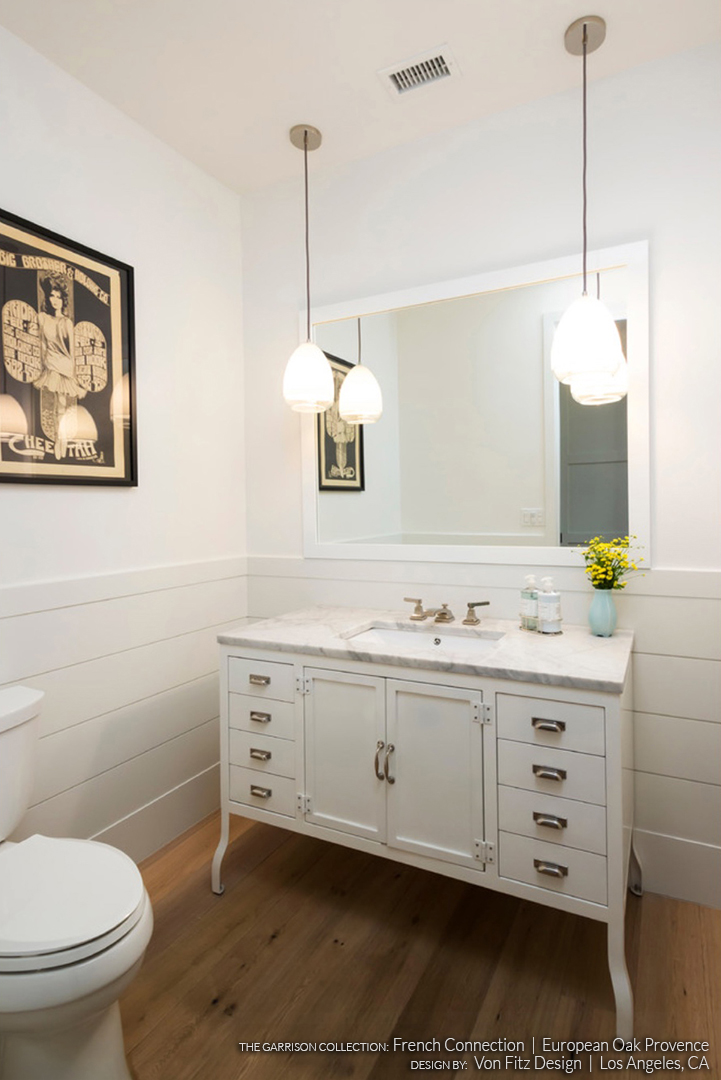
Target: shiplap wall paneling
{"type": "Point", "coordinates": [79, 692]}
{"type": "Point", "coordinates": [676, 746]}
{"type": "Point", "coordinates": [102, 800]}
{"type": "Point", "coordinates": [46, 640]}
{"type": "Point", "coordinates": [68, 757]}
{"type": "Point", "coordinates": [129, 729]}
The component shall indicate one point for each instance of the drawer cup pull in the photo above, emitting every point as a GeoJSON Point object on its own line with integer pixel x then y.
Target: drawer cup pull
{"type": "Point", "coordinates": [551, 869]}
{"type": "Point", "coordinates": [545, 772]}
{"type": "Point", "coordinates": [550, 821]}
{"type": "Point", "coordinates": [556, 726]}
{"type": "Point", "coordinates": [259, 680]}
{"type": "Point", "coordinates": [260, 755]}
{"type": "Point", "coordinates": [261, 792]}
{"type": "Point", "coordinates": [260, 717]}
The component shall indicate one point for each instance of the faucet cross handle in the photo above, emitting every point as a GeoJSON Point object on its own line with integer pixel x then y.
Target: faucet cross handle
{"type": "Point", "coordinates": [471, 618]}
{"type": "Point", "coordinates": [418, 612]}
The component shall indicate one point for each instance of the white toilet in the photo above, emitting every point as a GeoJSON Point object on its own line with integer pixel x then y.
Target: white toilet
{"type": "Point", "coordinates": [75, 921]}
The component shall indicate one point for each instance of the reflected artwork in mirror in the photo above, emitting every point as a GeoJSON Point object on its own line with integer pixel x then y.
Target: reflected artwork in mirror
{"type": "Point", "coordinates": [480, 454]}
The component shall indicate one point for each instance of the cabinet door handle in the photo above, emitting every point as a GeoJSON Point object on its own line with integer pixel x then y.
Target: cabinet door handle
{"type": "Point", "coordinates": [389, 750]}
{"type": "Point", "coordinates": [377, 764]}
{"type": "Point", "coordinates": [260, 755]}
{"type": "Point", "coordinates": [551, 869]}
{"type": "Point", "coordinates": [259, 680]}
{"type": "Point", "coordinates": [261, 792]}
{"type": "Point", "coordinates": [545, 772]}
{"type": "Point", "coordinates": [556, 726]}
{"type": "Point", "coordinates": [260, 717]}
{"type": "Point", "coordinates": [551, 821]}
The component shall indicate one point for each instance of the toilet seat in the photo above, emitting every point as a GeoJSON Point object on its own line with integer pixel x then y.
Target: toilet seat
{"type": "Point", "coordinates": [64, 900]}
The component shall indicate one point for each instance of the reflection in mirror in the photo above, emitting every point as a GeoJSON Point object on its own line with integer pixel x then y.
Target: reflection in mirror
{"type": "Point", "coordinates": [476, 446]}
{"type": "Point", "coordinates": [479, 456]}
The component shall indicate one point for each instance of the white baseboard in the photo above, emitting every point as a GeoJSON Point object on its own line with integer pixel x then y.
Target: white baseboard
{"type": "Point", "coordinates": [683, 869]}
{"type": "Point", "coordinates": [157, 823]}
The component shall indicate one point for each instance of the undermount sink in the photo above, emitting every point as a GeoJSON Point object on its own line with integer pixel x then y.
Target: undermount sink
{"type": "Point", "coordinates": [429, 639]}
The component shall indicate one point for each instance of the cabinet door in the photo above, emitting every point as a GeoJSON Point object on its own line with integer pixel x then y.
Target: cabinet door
{"type": "Point", "coordinates": [344, 722]}
{"type": "Point", "coordinates": [435, 805]}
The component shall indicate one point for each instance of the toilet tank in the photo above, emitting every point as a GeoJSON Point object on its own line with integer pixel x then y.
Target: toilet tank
{"type": "Point", "coordinates": [19, 720]}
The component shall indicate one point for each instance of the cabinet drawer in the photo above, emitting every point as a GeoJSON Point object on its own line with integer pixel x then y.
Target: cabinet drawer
{"type": "Point", "coordinates": [259, 789]}
{"type": "Point", "coordinates": [262, 678]}
{"type": "Point", "coordinates": [555, 821]}
{"type": "Point", "coordinates": [551, 723]}
{"type": "Point", "coordinates": [262, 753]}
{"type": "Point", "coordinates": [261, 715]}
{"type": "Point", "coordinates": [579, 873]}
{"type": "Point", "coordinates": [555, 772]}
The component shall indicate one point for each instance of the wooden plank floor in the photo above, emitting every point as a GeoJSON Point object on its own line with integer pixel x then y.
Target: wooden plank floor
{"type": "Point", "coordinates": [312, 942]}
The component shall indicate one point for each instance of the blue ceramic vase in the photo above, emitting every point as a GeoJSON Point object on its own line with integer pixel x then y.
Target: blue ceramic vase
{"type": "Point", "coordinates": [602, 613]}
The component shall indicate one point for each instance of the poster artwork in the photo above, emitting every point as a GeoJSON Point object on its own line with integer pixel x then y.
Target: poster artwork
{"type": "Point", "coordinates": [66, 380]}
{"type": "Point", "coordinates": [340, 444]}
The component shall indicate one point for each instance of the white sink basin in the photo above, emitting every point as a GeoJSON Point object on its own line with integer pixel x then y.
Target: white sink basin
{"type": "Point", "coordinates": [428, 640]}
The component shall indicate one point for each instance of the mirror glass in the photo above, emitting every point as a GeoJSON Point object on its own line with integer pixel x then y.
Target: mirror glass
{"type": "Point", "coordinates": [479, 446]}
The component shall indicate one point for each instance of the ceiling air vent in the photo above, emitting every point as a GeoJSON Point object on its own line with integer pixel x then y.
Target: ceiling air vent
{"type": "Point", "coordinates": [429, 67]}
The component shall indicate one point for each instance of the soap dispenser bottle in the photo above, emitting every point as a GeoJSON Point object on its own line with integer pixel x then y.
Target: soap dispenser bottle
{"type": "Point", "coordinates": [529, 604]}
{"type": "Point", "coordinates": [549, 608]}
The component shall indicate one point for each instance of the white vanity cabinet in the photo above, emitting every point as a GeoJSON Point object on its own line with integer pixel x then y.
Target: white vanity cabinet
{"type": "Point", "coordinates": [397, 762]}
{"type": "Point", "coordinates": [518, 786]}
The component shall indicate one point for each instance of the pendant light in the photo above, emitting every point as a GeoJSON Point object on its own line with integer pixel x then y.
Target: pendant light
{"type": "Point", "coordinates": [360, 400]}
{"type": "Point", "coordinates": [586, 350]}
{"type": "Point", "coordinates": [595, 388]}
{"type": "Point", "coordinates": [308, 380]}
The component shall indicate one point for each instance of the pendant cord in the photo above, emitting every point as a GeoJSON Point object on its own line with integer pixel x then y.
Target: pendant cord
{"type": "Point", "coordinates": [307, 235]}
{"type": "Point", "coordinates": [585, 196]}
{"type": "Point", "coordinates": [359, 341]}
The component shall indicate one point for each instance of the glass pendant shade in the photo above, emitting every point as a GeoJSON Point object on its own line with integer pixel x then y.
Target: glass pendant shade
{"type": "Point", "coordinates": [308, 381]}
{"type": "Point", "coordinates": [360, 400]}
{"type": "Point", "coordinates": [596, 388]}
{"type": "Point", "coordinates": [586, 341]}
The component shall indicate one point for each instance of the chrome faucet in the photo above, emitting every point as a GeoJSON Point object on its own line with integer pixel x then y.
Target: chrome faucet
{"type": "Point", "coordinates": [442, 614]}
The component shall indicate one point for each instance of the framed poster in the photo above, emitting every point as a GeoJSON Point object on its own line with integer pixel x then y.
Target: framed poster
{"type": "Point", "coordinates": [67, 379]}
{"type": "Point", "coordinates": [340, 445]}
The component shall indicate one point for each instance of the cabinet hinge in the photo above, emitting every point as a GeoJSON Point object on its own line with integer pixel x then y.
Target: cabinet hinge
{"type": "Point", "coordinates": [302, 684]}
{"type": "Point", "coordinates": [483, 713]}
{"type": "Point", "coordinates": [484, 851]}
{"type": "Point", "coordinates": [303, 803]}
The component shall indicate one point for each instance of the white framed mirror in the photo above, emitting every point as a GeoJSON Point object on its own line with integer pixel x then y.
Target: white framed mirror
{"type": "Point", "coordinates": [478, 456]}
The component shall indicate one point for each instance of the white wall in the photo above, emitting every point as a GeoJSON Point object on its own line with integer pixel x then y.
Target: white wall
{"type": "Point", "coordinates": [115, 594]}
{"type": "Point", "coordinates": [502, 192]}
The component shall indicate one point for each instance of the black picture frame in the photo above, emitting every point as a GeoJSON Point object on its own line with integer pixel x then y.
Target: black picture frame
{"type": "Point", "coordinates": [338, 456]}
{"type": "Point", "coordinates": [67, 346]}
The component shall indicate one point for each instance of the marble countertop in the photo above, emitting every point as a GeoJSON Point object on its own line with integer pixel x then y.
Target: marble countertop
{"type": "Point", "coordinates": [574, 658]}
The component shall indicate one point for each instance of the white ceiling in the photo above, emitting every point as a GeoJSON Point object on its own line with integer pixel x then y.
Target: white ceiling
{"type": "Point", "coordinates": [222, 81]}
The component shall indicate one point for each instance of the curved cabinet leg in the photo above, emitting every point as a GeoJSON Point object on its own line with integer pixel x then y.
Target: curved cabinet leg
{"type": "Point", "coordinates": [635, 873]}
{"type": "Point", "coordinates": [215, 882]}
{"type": "Point", "coordinates": [620, 981]}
